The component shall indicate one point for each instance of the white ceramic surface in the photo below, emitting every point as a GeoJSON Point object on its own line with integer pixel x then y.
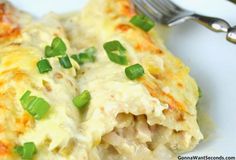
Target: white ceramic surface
{"type": "Point", "coordinates": [212, 61]}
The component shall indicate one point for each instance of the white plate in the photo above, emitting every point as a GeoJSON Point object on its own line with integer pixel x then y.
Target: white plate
{"type": "Point", "coordinates": [212, 61]}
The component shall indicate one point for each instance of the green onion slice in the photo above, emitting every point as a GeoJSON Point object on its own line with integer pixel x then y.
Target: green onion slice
{"type": "Point", "coordinates": [57, 48]}
{"type": "Point", "coordinates": [116, 52]}
{"type": "Point", "coordinates": [26, 151]}
{"type": "Point", "coordinates": [135, 71]}
{"type": "Point", "coordinates": [76, 58]}
{"type": "Point", "coordinates": [65, 62]}
{"type": "Point", "coordinates": [24, 99]}
{"type": "Point", "coordinates": [19, 150]}
{"type": "Point", "coordinates": [143, 22]}
{"type": "Point", "coordinates": [29, 149]}
{"type": "Point", "coordinates": [87, 56]}
{"type": "Point", "coordinates": [83, 58]}
{"type": "Point", "coordinates": [44, 66]}
{"type": "Point", "coordinates": [82, 100]}
{"type": "Point", "coordinates": [36, 106]}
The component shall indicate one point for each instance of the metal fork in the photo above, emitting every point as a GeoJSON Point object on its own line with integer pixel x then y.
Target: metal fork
{"type": "Point", "coordinates": [168, 13]}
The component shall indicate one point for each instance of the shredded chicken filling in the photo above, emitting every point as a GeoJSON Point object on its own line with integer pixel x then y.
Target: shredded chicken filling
{"type": "Point", "coordinates": [133, 138]}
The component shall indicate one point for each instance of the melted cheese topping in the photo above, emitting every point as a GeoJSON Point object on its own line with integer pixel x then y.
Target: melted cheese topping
{"type": "Point", "coordinates": [125, 120]}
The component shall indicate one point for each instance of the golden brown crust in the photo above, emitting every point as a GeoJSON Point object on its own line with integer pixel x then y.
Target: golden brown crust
{"type": "Point", "coordinates": [175, 74]}
{"type": "Point", "coordinates": [122, 8]}
{"type": "Point", "coordinates": [8, 28]}
{"type": "Point", "coordinates": [4, 148]}
{"type": "Point", "coordinates": [17, 65]}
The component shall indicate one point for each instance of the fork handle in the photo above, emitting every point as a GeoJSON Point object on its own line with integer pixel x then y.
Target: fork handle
{"type": "Point", "coordinates": [231, 35]}
{"type": "Point", "coordinates": [212, 23]}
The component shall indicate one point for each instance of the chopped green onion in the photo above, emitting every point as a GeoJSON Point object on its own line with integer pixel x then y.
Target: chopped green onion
{"type": "Point", "coordinates": [83, 58]}
{"type": "Point", "coordinates": [36, 106]}
{"type": "Point", "coordinates": [143, 22]}
{"type": "Point", "coordinates": [28, 101]}
{"type": "Point", "coordinates": [44, 66]}
{"type": "Point", "coordinates": [116, 52]}
{"type": "Point", "coordinates": [135, 71]}
{"type": "Point", "coordinates": [49, 52]}
{"type": "Point", "coordinates": [82, 100]}
{"type": "Point", "coordinates": [26, 151]}
{"type": "Point", "coordinates": [24, 99]}
{"type": "Point", "coordinates": [65, 62]}
{"type": "Point", "coordinates": [29, 149]}
{"type": "Point", "coordinates": [86, 56]}
{"type": "Point", "coordinates": [19, 150]}
{"type": "Point", "coordinates": [76, 58]}
{"type": "Point", "coordinates": [57, 48]}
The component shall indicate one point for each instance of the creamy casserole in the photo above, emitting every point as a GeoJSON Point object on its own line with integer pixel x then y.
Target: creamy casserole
{"type": "Point", "coordinates": [150, 118]}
